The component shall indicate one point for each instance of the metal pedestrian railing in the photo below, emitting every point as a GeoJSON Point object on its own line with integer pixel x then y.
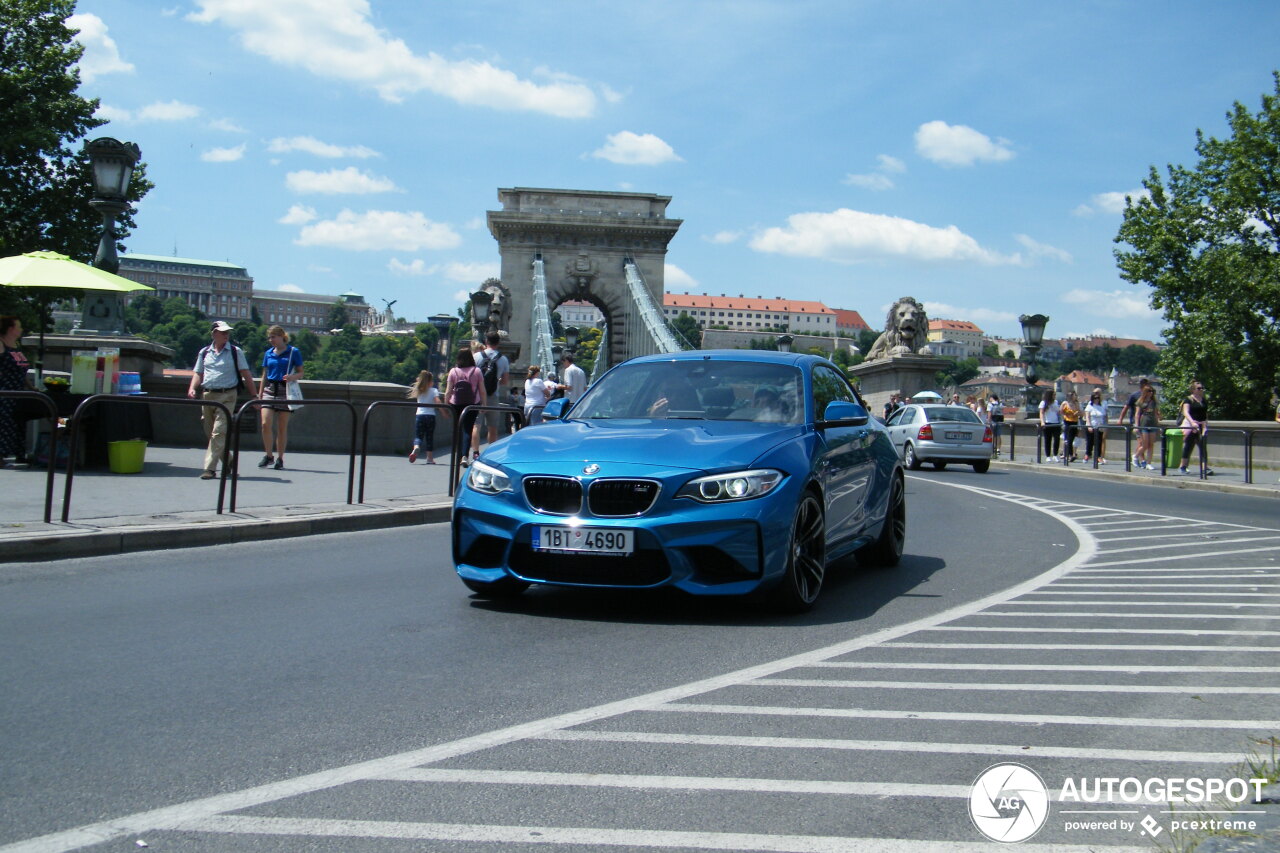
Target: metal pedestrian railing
{"type": "Point", "coordinates": [47, 402]}
{"type": "Point", "coordinates": [256, 404]}
{"type": "Point", "coordinates": [364, 431]}
{"type": "Point", "coordinates": [73, 436]}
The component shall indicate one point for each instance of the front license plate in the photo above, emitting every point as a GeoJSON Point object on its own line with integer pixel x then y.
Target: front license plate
{"type": "Point", "coordinates": [589, 540]}
{"type": "Point", "coordinates": [959, 436]}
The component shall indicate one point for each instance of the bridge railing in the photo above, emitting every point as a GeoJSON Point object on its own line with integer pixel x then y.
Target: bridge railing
{"type": "Point", "coordinates": [645, 310]}
{"type": "Point", "coordinates": [542, 352]}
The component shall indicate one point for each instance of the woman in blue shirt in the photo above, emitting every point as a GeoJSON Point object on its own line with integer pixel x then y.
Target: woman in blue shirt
{"type": "Point", "coordinates": [281, 364]}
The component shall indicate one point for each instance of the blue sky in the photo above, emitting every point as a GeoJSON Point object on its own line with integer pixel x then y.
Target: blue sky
{"type": "Point", "coordinates": [974, 155]}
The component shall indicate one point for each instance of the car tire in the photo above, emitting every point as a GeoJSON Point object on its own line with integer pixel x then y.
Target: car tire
{"type": "Point", "coordinates": [503, 588]}
{"type": "Point", "coordinates": [887, 550]}
{"type": "Point", "coordinates": [806, 558]}
{"type": "Point", "coordinates": [981, 467]}
{"type": "Point", "coordinates": [939, 466]}
{"type": "Point", "coordinates": [909, 457]}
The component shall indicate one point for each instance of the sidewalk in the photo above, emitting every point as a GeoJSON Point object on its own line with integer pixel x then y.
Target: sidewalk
{"type": "Point", "coordinates": [167, 505]}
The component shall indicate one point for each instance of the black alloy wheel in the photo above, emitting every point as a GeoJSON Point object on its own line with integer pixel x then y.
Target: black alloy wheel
{"type": "Point", "coordinates": [806, 558]}
{"type": "Point", "coordinates": [887, 550]}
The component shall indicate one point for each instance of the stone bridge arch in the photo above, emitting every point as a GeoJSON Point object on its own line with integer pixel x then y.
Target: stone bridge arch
{"type": "Point", "coordinates": [583, 238]}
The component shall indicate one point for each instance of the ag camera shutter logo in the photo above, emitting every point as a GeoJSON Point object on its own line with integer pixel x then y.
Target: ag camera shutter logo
{"type": "Point", "coordinates": [1009, 803]}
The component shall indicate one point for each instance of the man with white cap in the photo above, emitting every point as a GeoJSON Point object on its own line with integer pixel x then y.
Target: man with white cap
{"type": "Point", "coordinates": [221, 370]}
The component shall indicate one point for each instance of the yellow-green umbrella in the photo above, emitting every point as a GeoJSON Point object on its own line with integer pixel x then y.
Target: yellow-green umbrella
{"type": "Point", "coordinates": [50, 270]}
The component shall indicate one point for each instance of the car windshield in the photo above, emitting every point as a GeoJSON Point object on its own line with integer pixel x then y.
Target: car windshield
{"type": "Point", "coordinates": [951, 413]}
{"type": "Point", "coordinates": [703, 390]}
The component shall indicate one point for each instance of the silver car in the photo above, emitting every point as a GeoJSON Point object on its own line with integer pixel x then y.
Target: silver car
{"type": "Point", "coordinates": [940, 434]}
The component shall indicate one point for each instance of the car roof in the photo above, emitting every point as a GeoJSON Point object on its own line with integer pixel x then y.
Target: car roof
{"type": "Point", "coordinates": [756, 355]}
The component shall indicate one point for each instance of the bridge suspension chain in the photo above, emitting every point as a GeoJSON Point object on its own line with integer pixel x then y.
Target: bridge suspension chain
{"type": "Point", "coordinates": [643, 312]}
{"type": "Point", "coordinates": [542, 353]}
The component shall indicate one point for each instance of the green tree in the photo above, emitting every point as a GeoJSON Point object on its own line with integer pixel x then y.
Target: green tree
{"type": "Point", "coordinates": [337, 316]}
{"type": "Point", "coordinates": [686, 331]}
{"type": "Point", "coordinates": [1207, 242]}
{"type": "Point", "coordinates": [46, 181]}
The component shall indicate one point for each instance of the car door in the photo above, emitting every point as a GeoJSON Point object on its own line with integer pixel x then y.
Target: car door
{"type": "Point", "coordinates": [844, 460]}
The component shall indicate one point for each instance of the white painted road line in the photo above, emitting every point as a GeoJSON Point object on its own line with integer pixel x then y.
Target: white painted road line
{"type": "Point", "coordinates": [1007, 688]}
{"type": "Point", "coordinates": [992, 749]}
{"type": "Point", "coordinates": [963, 717]}
{"type": "Point", "coordinates": [589, 837]}
{"type": "Point", "coordinates": [1036, 667]}
{"type": "Point", "coordinates": [1093, 647]}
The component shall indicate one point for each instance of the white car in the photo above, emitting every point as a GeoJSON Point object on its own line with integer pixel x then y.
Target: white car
{"type": "Point", "coordinates": [940, 434]}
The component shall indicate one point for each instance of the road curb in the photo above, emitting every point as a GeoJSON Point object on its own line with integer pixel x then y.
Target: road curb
{"type": "Point", "coordinates": [1168, 482]}
{"type": "Point", "coordinates": [77, 541]}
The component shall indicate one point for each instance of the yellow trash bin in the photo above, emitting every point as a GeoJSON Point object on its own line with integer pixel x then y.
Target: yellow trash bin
{"type": "Point", "coordinates": [126, 457]}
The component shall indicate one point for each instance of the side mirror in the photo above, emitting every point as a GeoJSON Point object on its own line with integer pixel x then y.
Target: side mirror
{"type": "Point", "coordinates": [840, 413]}
{"type": "Point", "coordinates": [555, 410]}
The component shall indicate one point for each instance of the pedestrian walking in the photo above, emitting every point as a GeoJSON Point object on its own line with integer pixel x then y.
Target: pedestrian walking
{"type": "Point", "coordinates": [464, 386]}
{"type": "Point", "coordinates": [535, 396]}
{"type": "Point", "coordinates": [221, 370]}
{"type": "Point", "coordinates": [1129, 412]}
{"type": "Point", "coordinates": [1195, 427]}
{"type": "Point", "coordinates": [495, 368]}
{"type": "Point", "coordinates": [575, 379]}
{"type": "Point", "coordinates": [1147, 417]}
{"type": "Point", "coordinates": [1051, 425]}
{"type": "Point", "coordinates": [1095, 420]}
{"type": "Point", "coordinates": [281, 364]}
{"type": "Point", "coordinates": [424, 390]}
{"type": "Point", "coordinates": [995, 412]}
{"type": "Point", "coordinates": [1071, 411]}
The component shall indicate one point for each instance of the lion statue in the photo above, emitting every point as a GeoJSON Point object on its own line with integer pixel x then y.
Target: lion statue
{"type": "Point", "coordinates": [906, 330]}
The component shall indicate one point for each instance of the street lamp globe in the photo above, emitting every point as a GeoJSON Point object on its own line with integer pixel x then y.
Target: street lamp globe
{"type": "Point", "coordinates": [1033, 329]}
{"type": "Point", "coordinates": [784, 343]}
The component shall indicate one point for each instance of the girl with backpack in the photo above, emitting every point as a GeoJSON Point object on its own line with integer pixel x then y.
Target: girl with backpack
{"type": "Point", "coordinates": [464, 387]}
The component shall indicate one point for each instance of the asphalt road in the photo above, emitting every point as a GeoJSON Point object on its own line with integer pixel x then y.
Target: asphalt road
{"type": "Point", "coordinates": [315, 682]}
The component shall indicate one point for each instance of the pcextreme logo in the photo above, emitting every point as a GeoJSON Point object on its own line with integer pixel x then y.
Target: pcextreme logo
{"type": "Point", "coordinates": [1009, 802]}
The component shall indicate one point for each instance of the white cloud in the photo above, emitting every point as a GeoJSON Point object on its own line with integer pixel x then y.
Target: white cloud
{"type": "Point", "coordinates": [290, 288]}
{"type": "Point", "coordinates": [676, 277]}
{"type": "Point", "coordinates": [852, 236]}
{"type": "Point", "coordinates": [101, 56]}
{"type": "Point", "coordinates": [379, 230]}
{"type": "Point", "coordinates": [874, 181]}
{"type": "Point", "coordinates": [958, 145]}
{"type": "Point", "coordinates": [168, 111]}
{"type": "Point", "coordinates": [311, 145]}
{"type": "Point", "coordinates": [938, 310]}
{"type": "Point", "coordinates": [878, 180]}
{"type": "Point", "coordinates": [891, 164]}
{"type": "Point", "coordinates": [159, 111]}
{"type": "Point", "coordinates": [336, 39]}
{"type": "Point", "coordinates": [634, 149]}
{"type": "Point", "coordinates": [348, 181]}
{"type": "Point", "coordinates": [462, 271]}
{"type": "Point", "coordinates": [722, 238]}
{"type": "Point", "coordinates": [226, 125]}
{"type": "Point", "coordinates": [223, 155]}
{"type": "Point", "coordinates": [1037, 249]}
{"type": "Point", "coordinates": [298, 215]}
{"type": "Point", "coordinates": [461, 296]}
{"type": "Point", "coordinates": [475, 223]}
{"type": "Point", "coordinates": [1112, 202]}
{"type": "Point", "coordinates": [1113, 304]}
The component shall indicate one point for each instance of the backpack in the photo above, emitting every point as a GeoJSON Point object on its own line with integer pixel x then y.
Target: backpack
{"type": "Point", "coordinates": [463, 393]}
{"type": "Point", "coordinates": [235, 362]}
{"type": "Point", "coordinates": [489, 370]}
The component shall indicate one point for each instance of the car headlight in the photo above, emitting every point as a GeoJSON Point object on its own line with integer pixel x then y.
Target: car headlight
{"type": "Point", "coordinates": [737, 486]}
{"type": "Point", "coordinates": [487, 479]}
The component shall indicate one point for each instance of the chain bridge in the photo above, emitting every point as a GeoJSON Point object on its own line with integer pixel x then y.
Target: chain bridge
{"type": "Point", "coordinates": [599, 247]}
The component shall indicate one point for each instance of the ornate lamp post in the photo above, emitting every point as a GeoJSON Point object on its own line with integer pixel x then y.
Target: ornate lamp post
{"type": "Point", "coordinates": [571, 338]}
{"type": "Point", "coordinates": [113, 163]}
{"type": "Point", "coordinates": [1032, 339]}
{"type": "Point", "coordinates": [784, 343]}
{"type": "Point", "coordinates": [481, 305]}
{"type": "Point", "coordinates": [443, 324]}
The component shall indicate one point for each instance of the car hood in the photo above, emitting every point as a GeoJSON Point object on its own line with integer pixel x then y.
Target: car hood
{"type": "Point", "coordinates": [693, 444]}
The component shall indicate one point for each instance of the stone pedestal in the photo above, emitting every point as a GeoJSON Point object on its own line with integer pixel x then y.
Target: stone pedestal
{"type": "Point", "coordinates": [136, 355]}
{"type": "Point", "coordinates": [906, 374]}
